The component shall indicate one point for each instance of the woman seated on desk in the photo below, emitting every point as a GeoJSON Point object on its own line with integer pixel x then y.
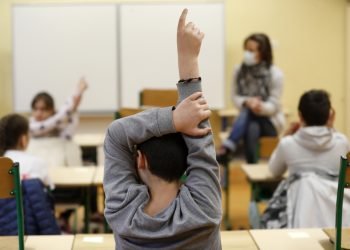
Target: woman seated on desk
{"type": "Point", "coordinates": [52, 131]}
{"type": "Point", "coordinates": [257, 90]}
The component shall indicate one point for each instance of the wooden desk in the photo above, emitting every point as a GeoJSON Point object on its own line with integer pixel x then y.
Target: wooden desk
{"type": "Point", "coordinates": [260, 173]}
{"type": "Point", "coordinates": [232, 240]}
{"type": "Point", "coordinates": [52, 242]}
{"type": "Point", "coordinates": [9, 242]}
{"type": "Point", "coordinates": [94, 242]}
{"type": "Point", "coordinates": [92, 140]}
{"type": "Point", "coordinates": [345, 236]}
{"type": "Point", "coordinates": [72, 176]}
{"type": "Point", "coordinates": [89, 140]}
{"type": "Point", "coordinates": [291, 239]}
{"type": "Point", "coordinates": [226, 115]}
{"type": "Point", "coordinates": [69, 177]}
{"type": "Point", "coordinates": [98, 178]}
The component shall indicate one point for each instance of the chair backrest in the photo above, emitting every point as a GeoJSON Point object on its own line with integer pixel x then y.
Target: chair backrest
{"type": "Point", "coordinates": [343, 182]}
{"type": "Point", "coordinates": [158, 97]}
{"type": "Point", "coordinates": [124, 112]}
{"type": "Point", "coordinates": [10, 186]}
{"type": "Point", "coordinates": [267, 145]}
{"type": "Point", "coordinates": [7, 182]}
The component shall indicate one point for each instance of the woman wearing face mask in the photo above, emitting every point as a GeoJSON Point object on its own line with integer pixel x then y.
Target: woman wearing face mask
{"type": "Point", "coordinates": [257, 89]}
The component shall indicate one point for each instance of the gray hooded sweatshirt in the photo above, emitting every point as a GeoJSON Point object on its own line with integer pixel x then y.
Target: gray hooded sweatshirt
{"type": "Point", "coordinates": [192, 220]}
{"type": "Point", "coordinates": [314, 148]}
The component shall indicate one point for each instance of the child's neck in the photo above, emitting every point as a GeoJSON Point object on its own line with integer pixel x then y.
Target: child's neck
{"type": "Point", "coordinates": [162, 194]}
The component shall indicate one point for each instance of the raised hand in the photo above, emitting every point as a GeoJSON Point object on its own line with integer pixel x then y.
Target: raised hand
{"type": "Point", "coordinates": [82, 86]}
{"type": "Point", "coordinates": [189, 113]}
{"type": "Point", "coordinates": [292, 129]}
{"type": "Point", "coordinates": [189, 40]}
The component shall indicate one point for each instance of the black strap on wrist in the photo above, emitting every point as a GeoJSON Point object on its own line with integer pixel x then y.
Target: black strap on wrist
{"type": "Point", "coordinates": [197, 79]}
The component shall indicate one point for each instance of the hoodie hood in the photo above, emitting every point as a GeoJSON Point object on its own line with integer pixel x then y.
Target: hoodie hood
{"type": "Point", "coordinates": [318, 138]}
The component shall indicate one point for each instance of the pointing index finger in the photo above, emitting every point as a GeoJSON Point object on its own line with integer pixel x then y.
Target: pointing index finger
{"type": "Point", "coordinates": [182, 20]}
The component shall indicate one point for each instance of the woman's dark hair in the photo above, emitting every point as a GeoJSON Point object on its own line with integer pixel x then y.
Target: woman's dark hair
{"type": "Point", "coordinates": [264, 47]}
{"type": "Point", "coordinates": [12, 127]}
{"type": "Point", "coordinates": [166, 156]}
{"type": "Point", "coordinates": [314, 106]}
{"type": "Point", "coordinates": [46, 98]}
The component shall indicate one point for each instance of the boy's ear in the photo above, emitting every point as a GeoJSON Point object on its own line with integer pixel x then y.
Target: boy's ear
{"type": "Point", "coordinates": [301, 118]}
{"type": "Point", "coordinates": [141, 160]}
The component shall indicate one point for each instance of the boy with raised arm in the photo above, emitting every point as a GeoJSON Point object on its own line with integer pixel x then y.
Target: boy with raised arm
{"type": "Point", "coordinates": [146, 205]}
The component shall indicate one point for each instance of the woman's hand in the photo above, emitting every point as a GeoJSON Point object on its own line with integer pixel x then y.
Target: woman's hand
{"type": "Point", "coordinates": [82, 86]}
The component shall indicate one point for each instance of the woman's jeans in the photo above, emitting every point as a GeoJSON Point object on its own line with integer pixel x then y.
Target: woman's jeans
{"type": "Point", "coordinates": [250, 128]}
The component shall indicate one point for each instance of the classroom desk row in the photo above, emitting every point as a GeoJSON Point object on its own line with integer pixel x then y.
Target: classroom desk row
{"type": "Point", "coordinates": [76, 176]}
{"type": "Point", "coordinates": [286, 239]}
{"type": "Point", "coordinates": [84, 177]}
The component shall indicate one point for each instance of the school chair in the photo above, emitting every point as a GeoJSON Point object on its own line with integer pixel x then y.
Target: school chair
{"type": "Point", "coordinates": [10, 187]}
{"type": "Point", "coordinates": [267, 145]}
{"type": "Point", "coordinates": [158, 97]}
{"type": "Point", "coordinates": [343, 182]}
{"type": "Point", "coordinates": [124, 112]}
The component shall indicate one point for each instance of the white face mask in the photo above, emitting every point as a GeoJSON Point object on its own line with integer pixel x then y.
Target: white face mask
{"type": "Point", "coordinates": [249, 58]}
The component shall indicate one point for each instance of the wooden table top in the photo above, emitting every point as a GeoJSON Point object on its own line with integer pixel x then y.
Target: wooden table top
{"type": "Point", "coordinates": [291, 239]}
{"type": "Point", "coordinates": [259, 173]}
{"type": "Point", "coordinates": [72, 176]}
{"type": "Point", "coordinates": [232, 240]}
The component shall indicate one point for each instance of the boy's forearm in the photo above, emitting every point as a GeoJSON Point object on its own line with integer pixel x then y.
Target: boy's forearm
{"type": "Point", "coordinates": [188, 67]}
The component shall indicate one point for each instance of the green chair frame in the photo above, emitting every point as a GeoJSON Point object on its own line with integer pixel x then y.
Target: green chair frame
{"type": "Point", "coordinates": [343, 182]}
{"type": "Point", "coordinates": [10, 187]}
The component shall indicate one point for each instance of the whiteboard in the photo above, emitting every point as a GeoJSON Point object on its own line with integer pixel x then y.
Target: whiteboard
{"type": "Point", "coordinates": [54, 45]}
{"type": "Point", "coordinates": [148, 52]}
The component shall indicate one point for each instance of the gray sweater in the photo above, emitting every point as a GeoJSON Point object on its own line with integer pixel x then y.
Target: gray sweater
{"type": "Point", "coordinates": [192, 220]}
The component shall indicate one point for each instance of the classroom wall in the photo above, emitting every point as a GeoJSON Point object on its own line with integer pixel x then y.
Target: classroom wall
{"type": "Point", "coordinates": [308, 36]}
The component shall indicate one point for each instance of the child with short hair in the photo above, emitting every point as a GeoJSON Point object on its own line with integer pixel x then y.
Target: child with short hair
{"type": "Point", "coordinates": [310, 151]}
{"type": "Point", "coordinates": [147, 207]}
{"type": "Point", "coordinates": [312, 144]}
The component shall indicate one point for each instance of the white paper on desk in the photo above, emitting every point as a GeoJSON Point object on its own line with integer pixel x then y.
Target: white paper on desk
{"type": "Point", "coordinates": [93, 239]}
{"type": "Point", "coordinates": [298, 235]}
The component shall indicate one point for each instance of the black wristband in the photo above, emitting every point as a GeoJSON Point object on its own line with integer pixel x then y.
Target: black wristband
{"type": "Point", "coordinates": [197, 79]}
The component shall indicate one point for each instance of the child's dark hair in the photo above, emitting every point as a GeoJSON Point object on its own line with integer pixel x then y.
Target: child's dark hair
{"type": "Point", "coordinates": [264, 47]}
{"type": "Point", "coordinates": [314, 106]}
{"type": "Point", "coordinates": [12, 127]}
{"type": "Point", "coordinates": [46, 98]}
{"type": "Point", "coordinates": [166, 156]}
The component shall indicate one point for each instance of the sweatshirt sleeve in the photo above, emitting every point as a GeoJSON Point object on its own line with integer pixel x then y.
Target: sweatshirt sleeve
{"type": "Point", "coordinates": [122, 135]}
{"type": "Point", "coordinates": [277, 162]}
{"type": "Point", "coordinates": [203, 170]}
{"type": "Point", "coordinates": [272, 104]}
{"type": "Point", "coordinates": [39, 128]}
